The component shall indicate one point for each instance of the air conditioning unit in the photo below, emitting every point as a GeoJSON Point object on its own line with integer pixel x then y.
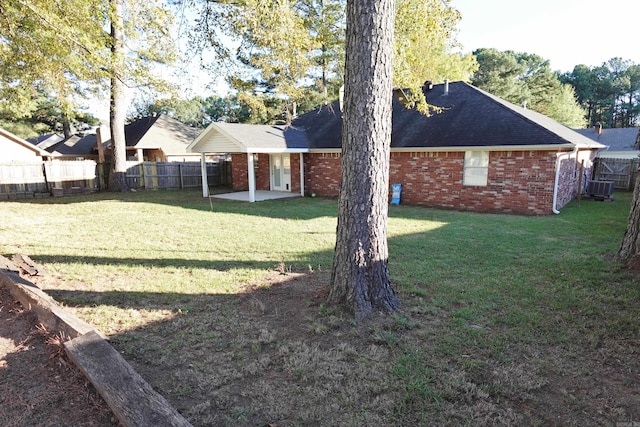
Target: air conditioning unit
{"type": "Point", "coordinates": [600, 190]}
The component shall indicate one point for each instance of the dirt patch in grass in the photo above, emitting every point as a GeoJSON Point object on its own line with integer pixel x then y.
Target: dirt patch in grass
{"type": "Point", "coordinates": [274, 354]}
{"type": "Point", "coordinates": [38, 384]}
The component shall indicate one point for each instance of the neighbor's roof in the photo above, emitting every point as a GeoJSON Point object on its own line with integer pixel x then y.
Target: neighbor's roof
{"type": "Point", "coordinates": [247, 138]}
{"type": "Point", "coordinates": [616, 139]}
{"type": "Point", "coordinates": [160, 132]}
{"type": "Point", "coordinates": [470, 118]}
{"type": "Point", "coordinates": [46, 141]}
{"type": "Point", "coordinates": [76, 145]}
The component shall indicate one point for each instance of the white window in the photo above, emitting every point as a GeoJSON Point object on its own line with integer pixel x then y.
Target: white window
{"type": "Point", "coordinates": [476, 167]}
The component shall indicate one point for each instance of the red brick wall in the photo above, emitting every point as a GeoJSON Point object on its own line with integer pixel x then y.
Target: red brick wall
{"type": "Point", "coordinates": [262, 173]}
{"type": "Point", "coordinates": [570, 177]}
{"type": "Point", "coordinates": [239, 177]}
{"type": "Point", "coordinates": [322, 174]}
{"type": "Point", "coordinates": [295, 173]}
{"type": "Point", "coordinates": [518, 182]}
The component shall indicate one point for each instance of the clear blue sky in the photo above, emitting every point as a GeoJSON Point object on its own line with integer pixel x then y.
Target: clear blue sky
{"type": "Point", "coordinates": [566, 32]}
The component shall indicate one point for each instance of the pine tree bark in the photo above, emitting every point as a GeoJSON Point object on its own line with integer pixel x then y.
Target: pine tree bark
{"type": "Point", "coordinates": [117, 178]}
{"type": "Point", "coordinates": [360, 273]}
{"type": "Point", "coordinates": [630, 246]}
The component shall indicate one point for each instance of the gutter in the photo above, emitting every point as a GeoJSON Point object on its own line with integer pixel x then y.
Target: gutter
{"type": "Point", "coordinates": [554, 208]}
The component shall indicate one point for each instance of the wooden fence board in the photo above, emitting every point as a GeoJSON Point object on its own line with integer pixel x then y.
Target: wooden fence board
{"type": "Point", "coordinates": [170, 175]}
{"type": "Point", "coordinates": [65, 177]}
{"type": "Point", "coordinates": [621, 171]}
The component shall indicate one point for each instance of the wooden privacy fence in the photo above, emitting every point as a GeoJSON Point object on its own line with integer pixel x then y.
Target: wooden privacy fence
{"type": "Point", "coordinates": [41, 179]}
{"type": "Point", "coordinates": [66, 177]}
{"type": "Point", "coordinates": [174, 175]}
{"type": "Point", "coordinates": [621, 171]}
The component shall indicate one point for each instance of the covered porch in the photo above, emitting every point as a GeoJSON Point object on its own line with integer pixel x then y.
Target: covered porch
{"type": "Point", "coordinates": [267, 163]}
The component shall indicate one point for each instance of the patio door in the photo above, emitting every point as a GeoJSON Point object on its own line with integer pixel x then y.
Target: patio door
{"type": "Point", "coordinates": [280, 172]}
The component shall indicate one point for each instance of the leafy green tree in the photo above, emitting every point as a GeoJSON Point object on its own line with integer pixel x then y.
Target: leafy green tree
{"type": "Point", "coordinates": [190, 112]}
{"type": "Point", "coordinates": [609, 92]}
{"type": "Point", "coordinates": [56, 48]}
{"type": "Point", "coordinates": [564, 109]}
{"type": "Point", "coordinates": [425, 47]}
{"type": "Point", "coordinates": [273, 52]}
{"type": "Point", "coordinates": [289, 48]}
{"type": "Point", "coordinates": [138, 42]}
{"type": "Point", "coordinates": [62, 48]}
{"type": "Point", "coordinates": [527, 79]}
{"type": "Point", "coordinates": [45, 117]}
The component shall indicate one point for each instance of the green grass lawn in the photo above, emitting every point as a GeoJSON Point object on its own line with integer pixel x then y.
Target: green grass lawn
{"type": "Point", "coordinates": [506, 320]}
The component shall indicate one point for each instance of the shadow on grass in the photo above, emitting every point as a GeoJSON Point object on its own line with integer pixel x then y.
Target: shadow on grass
{"type": "Point", "coordinates": [220, 265]}
{"type": "Point", "coordinates": [482, 291]}
{"type": "Point", "coordinates": [192, 199]}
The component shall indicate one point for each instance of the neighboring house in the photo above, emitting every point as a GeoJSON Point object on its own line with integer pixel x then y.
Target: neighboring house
{"type": "Point", "coordinates": [76, 147]}
{"type": "Point", "coordinates": [480, 153]}
{"type": "Point", "coordinates": [14, 149]}
{"type": "Point", "coordinates": [620, 143]}
{"type": "Point", "coordinates": [619, 160]}
{"type": "Point", "coordinates": [160, 139]}
{"type": "Point", "coordinates": [46, 141]}
{"type": "Point", "coordinates": [156, 139]}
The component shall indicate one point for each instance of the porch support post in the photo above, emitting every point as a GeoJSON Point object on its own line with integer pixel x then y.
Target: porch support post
{"type": "Point", "coordinates": [252, 178]}
{"type": "Point", "coordinates": [302, 174]}
{"type": "Point", "coordinates": [203, 171]}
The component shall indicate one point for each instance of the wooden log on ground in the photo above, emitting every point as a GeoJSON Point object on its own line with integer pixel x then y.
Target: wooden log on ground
{"type": "Point", "coordinates": [27, 265]}
{"type": "Point", "coordinates": [131, 399]}
{"type": "Point", "coordinates": [35, 299]}
{"type": "Point", "coordinates": [7, 265]}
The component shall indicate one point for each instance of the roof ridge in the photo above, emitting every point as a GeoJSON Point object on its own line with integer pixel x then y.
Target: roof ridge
{"type": "Point", "coordinates": [511, 107]}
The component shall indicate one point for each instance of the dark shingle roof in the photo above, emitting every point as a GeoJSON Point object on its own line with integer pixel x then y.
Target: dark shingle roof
{"type": "Point", "coordinates": [160, 132]}
{"type": "Point", "coordinates": [76, 145]}
{"type": "Point", "coordinates": [134, 131]}
{"type": "Point", "coordinates": [617, 139]}
{"type": "Point", "coordinates": [470, 118]}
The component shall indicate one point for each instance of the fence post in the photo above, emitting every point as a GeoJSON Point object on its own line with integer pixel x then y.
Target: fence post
{"type": "Point", "coordinates": [46, 179]}
{"type": "Point", "coordinates": [181, 178]}
{"type": "Point", "coordinates": [143, 176]}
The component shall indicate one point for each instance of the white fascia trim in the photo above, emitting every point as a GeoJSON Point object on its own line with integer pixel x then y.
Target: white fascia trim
{"type": "Point", "coordinates": [274, 150]}
{"type": "Point", "coordinates": [547, 147]}
{"type": "Point", "coordinates": [486, 148]}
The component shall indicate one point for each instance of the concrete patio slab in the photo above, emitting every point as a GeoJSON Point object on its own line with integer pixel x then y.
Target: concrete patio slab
{"type": "Point", "coordinates": [261, 195]}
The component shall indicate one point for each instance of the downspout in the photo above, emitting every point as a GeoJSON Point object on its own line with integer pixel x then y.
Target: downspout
{"type": "Point", "coordinates": [555, 185]}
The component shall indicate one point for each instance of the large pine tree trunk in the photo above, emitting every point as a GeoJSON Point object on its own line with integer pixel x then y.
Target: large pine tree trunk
{"type": "Point", "coordinates": [117, 179]}
{"type": "Point", "coordinates": [630, 247]}
{"type": "Point", "coordinates": [360, 274]}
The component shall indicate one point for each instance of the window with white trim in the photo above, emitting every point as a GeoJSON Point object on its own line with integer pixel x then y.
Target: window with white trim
{"type": "Point", "coordinates": [476, 168]}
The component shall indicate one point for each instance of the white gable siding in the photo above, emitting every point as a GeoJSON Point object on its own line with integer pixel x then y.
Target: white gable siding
{"type": "Point", "coordinates": [11, 151]}
{"type": "Point", "coordinates": [218, 143]}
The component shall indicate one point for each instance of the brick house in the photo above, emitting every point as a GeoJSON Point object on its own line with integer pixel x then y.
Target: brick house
{"type": "Point", "coordinates": [479, 153]}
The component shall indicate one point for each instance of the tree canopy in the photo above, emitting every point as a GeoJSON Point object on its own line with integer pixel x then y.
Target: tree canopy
{"type": "Point", "coordinates": [61, 50]}
{"type": "Point", "coordinates": [527, 79]}
{"type": "Point", "coordinates": [287, 49]}
{"type": "Point", "coordinates": [610, 93]}
{"type": "Point", "coordinates": [51, 48]}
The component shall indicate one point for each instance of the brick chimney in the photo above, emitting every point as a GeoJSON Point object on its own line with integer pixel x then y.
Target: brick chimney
{"type": "Point", "coordinates": [597, 128]}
